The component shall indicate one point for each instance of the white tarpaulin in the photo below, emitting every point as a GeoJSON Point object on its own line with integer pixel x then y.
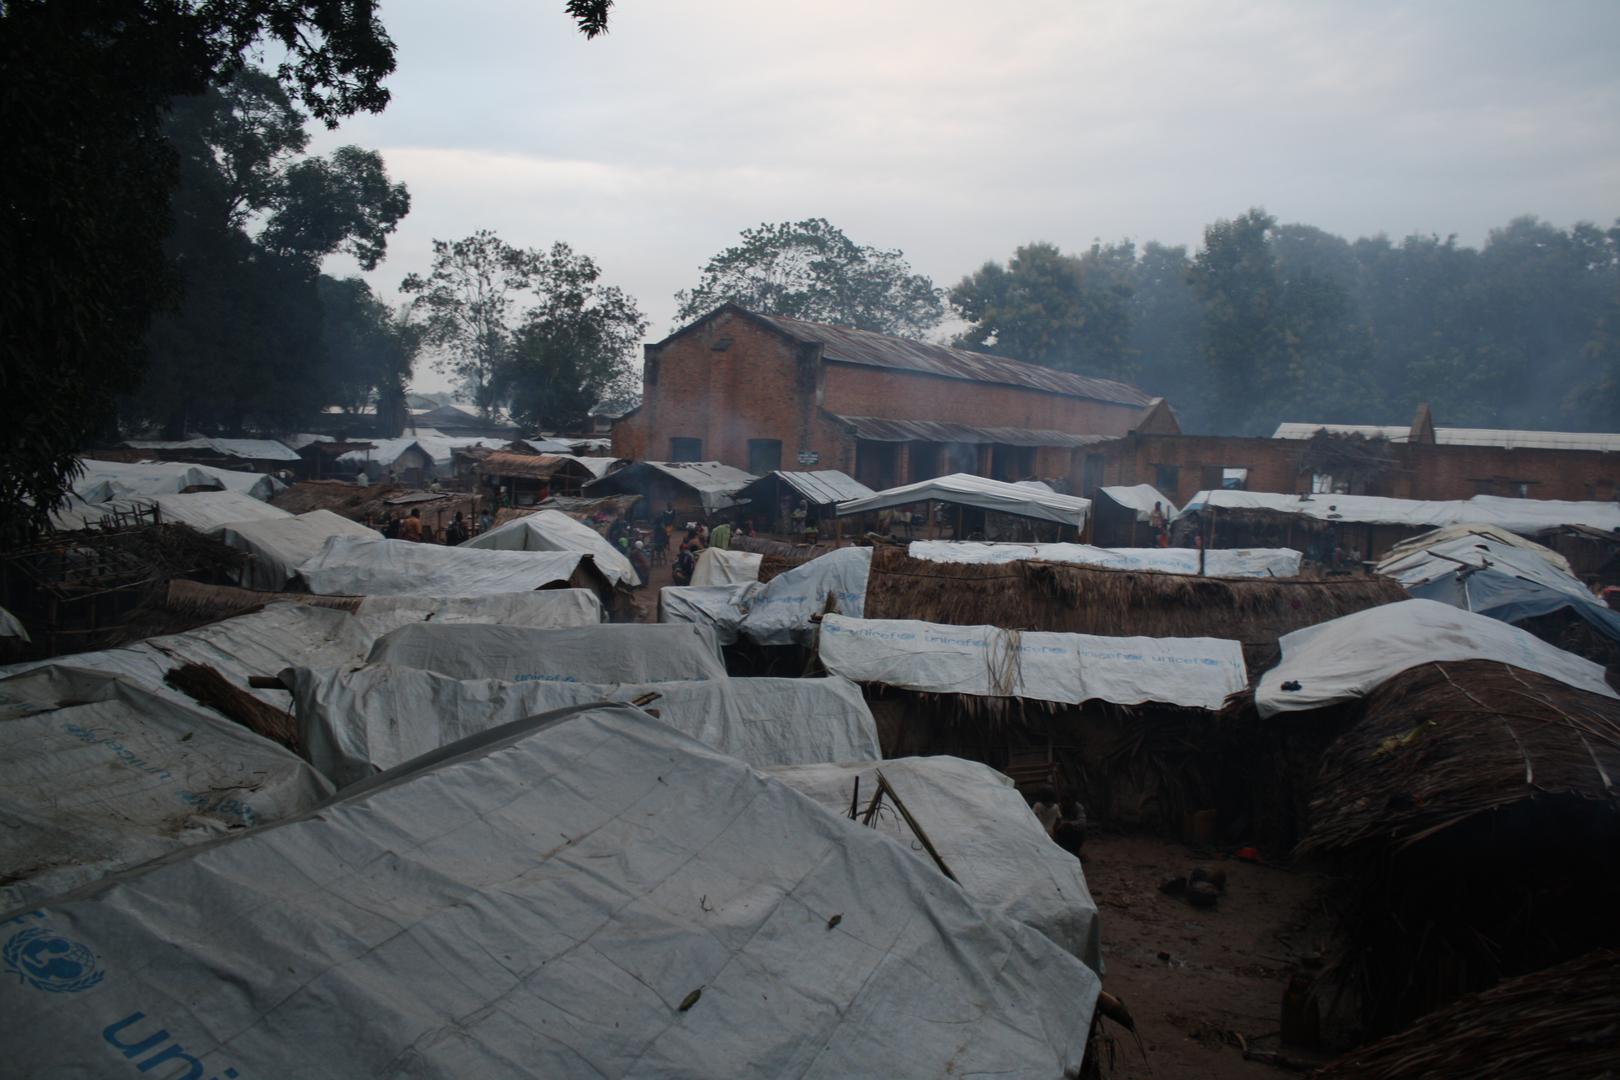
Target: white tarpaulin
{"type": "Point", "coordinates": [101, 775]}
{"type": "Point", "coordinates": [779, 611]}
{"type": "Point", "coordinates": [1418, 566]}
{"type": "Point", "coordinates": [1475, 532]}
{"type": "Point", "coordinates": [1516, 515]}
{"type": "Point", "coordinates": [721, 567]}
{"type": "Point", "coordinates": [983, 830]}
{"type": "Point", "coordinates": [353, 722]}
{"type": "Point", "coordinates": [718, 607]}
{"type": "Point", "coordinates": [553, 530]}
{"type": "Point", "coordinates": [549, 609]}
{"type": "Point", "coordinates": [987, 661]}
{"type": "Point", "coordinates": [353, 566]}
{"type": "Point", "coordinates": [965, 489]}
{"type": "Point", "coordinates": [206, 511]}
{"type": "Point", "coordinates": [610, 653]}
{"type": "Point", "coordinates": [104, 480]}
{"type": "Point", "coordinates": [12, 627]}
{"type": "Point", "coordinates": [260, 643]}
{"type": "Point", "coordinates": [1218, 562]}
{"type": "Point", "coordinates": [279, 548]}
{"type": "Point", "coordinates": [583, 896]}
{"type": "Point", "coordinates": [1141, 498]}
{"type": "Point", "coordinates": [1348, 657]}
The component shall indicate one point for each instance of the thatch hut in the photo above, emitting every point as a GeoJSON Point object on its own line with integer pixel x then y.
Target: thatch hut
{"type": "Point", "coordinates": [1475, 808]}
{"type": "Point", "coordinates": [526, 479]}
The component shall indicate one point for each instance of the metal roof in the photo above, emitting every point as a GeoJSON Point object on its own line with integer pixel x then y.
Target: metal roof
{"type": "Point", "coordinates": [966, 489]}
{"type": "Point", "coordinates": [850, 346]}
{"type": "Point", "coordinates": [819, 487]}
{"type": "Point", "coordinates": [1456, 436]}
{"type": "Point", "coordinates": [883, 429]}
{"type": "Point", "coordinates": [714, 482]}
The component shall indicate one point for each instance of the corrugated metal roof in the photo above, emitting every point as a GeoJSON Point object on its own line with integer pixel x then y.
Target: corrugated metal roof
{"type": "Point", "coordinates": [851, 346]}
{"type": "Point", "coordinates": [1455, 436]}
{"type": "Point", "coordinates": [882, 429]}
{"type": "Point", "coordinates": [968, 490]}
{"type": "Point", "coordinates": [714, 482]}
{"type": "Point", "coordinates": [821, 486]}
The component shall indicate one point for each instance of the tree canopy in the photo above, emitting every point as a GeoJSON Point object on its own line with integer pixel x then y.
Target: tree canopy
{"type": "Point", "coordinates": [810, 270]}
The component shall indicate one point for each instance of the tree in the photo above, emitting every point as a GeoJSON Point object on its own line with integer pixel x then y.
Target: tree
{"type": "Point", "coordinates": [810, 270]}
{"type": "Point", "coordinates": [245, 342]}
{"type": "Point", "coordinates": [1235, 277]}
{"type": "Point", "coordinates": [574, 346]}
{"type": "Point", "coordinates": [369, 351]}
{"type": "Point", "coordinates": [467, 303]}
{"type": "Point", "coordinates": [1062, 311]}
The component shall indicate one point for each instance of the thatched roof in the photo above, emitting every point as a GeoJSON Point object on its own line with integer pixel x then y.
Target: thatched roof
{"type": "Point", "coordinates": [372, 502]}
{"type": "Point", "coordinates": [1093, 600]}
{"type": "Point", "coordinates": [1556, 1022]}
{"type": "Point", "coordinates": [533, 466]}
{"type": "Point", "coordinates": [1441, 743]}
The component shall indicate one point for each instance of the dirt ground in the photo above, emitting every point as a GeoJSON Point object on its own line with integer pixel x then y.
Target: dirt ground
{"type": "Point", "coordinates": [1196, 979]}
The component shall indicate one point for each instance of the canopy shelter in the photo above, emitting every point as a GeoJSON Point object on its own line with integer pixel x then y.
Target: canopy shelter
{"type": "Point", "coordinates": [279, 547]}
{"type": "Point", "coordinates": [966, 491]}
{"type": "Point", "coordinates": [553, 530]}
{"type": "Point", "coordinates": [773, 497]}
{"type": "Point", "coordinates": [702, 488]}
{"type": "Point", "coordinates": [1122, 516]}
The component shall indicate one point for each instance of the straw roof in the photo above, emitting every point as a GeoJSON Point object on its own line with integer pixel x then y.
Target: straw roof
{"type": "Point", "coordinates": [1555, 1022]}
{"type": "Point", "coordinates": [533, 466]}
{"type": "Point", "coordinates": [1443, 742]}
{"type": "Point", "coordinates": [371, 502]}
{"type": "Point", "coordinates": [1094, 600]}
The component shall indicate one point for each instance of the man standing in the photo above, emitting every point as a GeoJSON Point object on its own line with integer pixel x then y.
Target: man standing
{"type": "Point", "coordinates": [720, 536]}
{"type": "Point", "coordinates": [411, 527]}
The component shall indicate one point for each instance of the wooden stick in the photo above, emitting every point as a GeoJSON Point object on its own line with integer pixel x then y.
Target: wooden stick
{"type": "Point", "coordinates": [928, 845]}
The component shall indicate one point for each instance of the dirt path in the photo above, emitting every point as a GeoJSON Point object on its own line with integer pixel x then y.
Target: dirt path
{"type": "Point", "coordinates": [1194, 977]}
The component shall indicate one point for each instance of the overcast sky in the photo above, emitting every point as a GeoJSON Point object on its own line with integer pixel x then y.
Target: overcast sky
{"type": "Point", "coordinates": [959, 130]}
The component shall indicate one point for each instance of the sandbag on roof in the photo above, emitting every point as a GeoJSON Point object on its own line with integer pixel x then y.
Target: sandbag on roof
{"type": "Point", "coordinates": [280, 547]}
{"type": "Point", "coordinates": [987, 661]}
{"type": "Point", "coordinates": [610, 653]}
{"type": "Point", "coordinates": [717, 566]}
{"type": "Point", "coordinates": [102, 774]}
{"type": "Point", "coordinates": [779, 611]}
{"type": "Point", "coordinates": [1346, 658]}
{"type": "Point", "coordinates": [354, 722]}
{"type": "Point", "coordinates": [582, 895]}
{"type": "Point", "coordinates": [547, 609]}
{"type": "Point", "coordinates": [354, 566]}
{"type": "Point", "coordinates": [983, 830]}
{"type": "Point", "coordinates": [718, 607]}
{"type": "Point", "coordinates": [1217, 562]}
{"type": "Point", "coordinates": [261, 643]}
{"type": "Point", "coordinates": [553, 530]}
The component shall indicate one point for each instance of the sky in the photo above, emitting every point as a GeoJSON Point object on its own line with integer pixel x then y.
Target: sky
{"type": "Point", "coordinates": [956, 131]}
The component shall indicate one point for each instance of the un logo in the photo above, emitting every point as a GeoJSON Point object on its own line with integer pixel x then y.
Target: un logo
{"type": "Point", "coordinates": [47, 962]}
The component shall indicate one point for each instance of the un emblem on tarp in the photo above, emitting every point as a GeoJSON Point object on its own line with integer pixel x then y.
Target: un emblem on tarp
{"type": "Point", "coordinates": [48, 962]}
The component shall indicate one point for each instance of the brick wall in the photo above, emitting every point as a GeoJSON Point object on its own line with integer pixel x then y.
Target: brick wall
{"type": "Point", "coordinates": [858, 390]}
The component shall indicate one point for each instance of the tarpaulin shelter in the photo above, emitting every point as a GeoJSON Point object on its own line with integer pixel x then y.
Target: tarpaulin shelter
{"type": "Point", "coordinates": [694, 487]}
{"type": "Point", "coordinates": [278, 547]}
{"type": "Point", "coordinates": [719, 608]}
{"type": "Point", "coordinates": [717, 566]}
{"type": "Point", "coordinates": [780, 611]}
{"type": "Point", "coordinates": [967, 490]}
{"type": "Point", "coordinates": [1120, 515]}
{"type": "Point", "coordinates": [206, 511]}
{"type": "Point", "coordinates": [102, 481]}
{"type": "Point", "coordinates": [683, 916]}
{"type": "Point", "coordinates": [610, 653]}
{"type": "Point", "coordinates": [1217, 562]}
{"type": "Point", "coordinates": [355, 566]}
{"type": "Point", "coordinates": [102, 774]}
{"type": "Point", "coordinates": [553, 530]}
{"type": "Point", "coordinates": [349, 718]}
{"type": "Point", "coordinates": [982, 829]}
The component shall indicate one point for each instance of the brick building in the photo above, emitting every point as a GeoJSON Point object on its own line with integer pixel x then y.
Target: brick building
{"type": "Point", "coordinates": [763, 392]}
{"type": "Point", "coordinates": [1426, 463]}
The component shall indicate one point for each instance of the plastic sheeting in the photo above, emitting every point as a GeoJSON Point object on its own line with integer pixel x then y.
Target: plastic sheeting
{"type": "Point", "coordinates": [718, 607]}
{"type": "Point", "coordinates": [356, 721]}
{"type": "Point", "coordinates": [549, 609]}
{"type": "Point", "coordinates": [1218, 562]}
{"type": "Point", "coordinates": [716, 566]}
{"type": "Point", "coordinates": [279, 548]}
{"type": "Point", "coordinates": [553, 530]}
{"type": "Point", "coordinates": [779, 611]}
{"type": "Point", "coordinates": [965, 489]}
{"type": "Point", "coordinates": [206, 511]}
{"type": "Point", "coordinates": [1347, 658]}
{"type": "Point", "coordinates": [105, 480]}
{"type": "Point", "coordinates": [1141, 497]}
{"type": "Point", "coordinates": [12, 627]}
{"type": "Point", "coordinates": [352, 566]}
{"type": "Point", "coordinates": [987, 661]}
{"type": "Point", "coordinates": [1525, 516]}
{"type": "Point", "coordinates": [610, 653]}
{"type": "Point", "coordinates": [101, 774]}
{"type": "Point", "coordinates": [1475, 532]}
{"type": "Point", "coordinates": [584, 895]}
{"type": "Point", "coordinates": [983, 830]}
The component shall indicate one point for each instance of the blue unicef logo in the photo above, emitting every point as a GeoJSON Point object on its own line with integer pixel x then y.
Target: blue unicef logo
{"type": "Point", "coordinates": [48, 962]}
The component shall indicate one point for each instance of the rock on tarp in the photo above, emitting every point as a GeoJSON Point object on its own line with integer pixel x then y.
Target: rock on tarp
{"type": "Point", "coordinates": [582, 895]}
{"type": "Point", "coordinates": [354, 722]}
{"type": "Point", "coordinates": [983, 830]}
{"type": "Point", "coordinates": [622, 652]}
{"type": "Point", "coordinates": [101, 775]}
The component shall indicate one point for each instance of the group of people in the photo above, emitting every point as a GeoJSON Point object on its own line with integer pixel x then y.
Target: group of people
{"type": "Point", "coordinates": [411, 527]}
{"type": "Point", "coordinates": [698, 537]}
